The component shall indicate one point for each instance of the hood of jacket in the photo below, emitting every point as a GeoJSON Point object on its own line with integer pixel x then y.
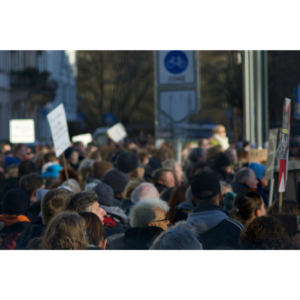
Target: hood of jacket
{"type": "Point", "coordinates": [116, 212]}
{"type": "Point", "coordinates": [237, 187]}
{"type": "Point", "coordinates": [185, 206]}
{"type": "Point", "coordinates": [206, 217]}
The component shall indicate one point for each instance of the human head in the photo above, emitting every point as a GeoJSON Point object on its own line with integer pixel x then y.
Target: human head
{"type": "Point", "coordinates": [54, 202]}
{"type": "Point", "coordinates": [105, 194]}
{"type": "Point", "coordinates": [176, 167]}
{"type": "Point", "coordinates": [246, 176]}
{"type": "Point", "coordinates": [16, 202]}
{"type": "Point", "coordinates": [126, 162]}
{"type": "Point", "coordinates": [94, 228]}
{"type": "Point", "coordinates": [10, 161]}
{"type": "Point", "coordinates": [66, 231]}
{"type": "Point", "coordinates": [220, 130]}
{"type": "Point", "coordinates": [131, 186]}
{"type": "Point", "coordinates": [143, 156]}
{"type": "Point", "coordinates": [20, 151]}
{"type": "Point", "coordinates": [25, 167]}
{"type": "Point", "coordinates": [179, 237]}
{"type": "Point", "coordinates": [50, 157]}
{"type": "Point", "coordinates": [196, 155]}
{"type": "Point", "coordinates": [86, 201]}
{"type": "Point", "coordinates": [288, 207]}
{"type": "Point", "coordinates": [99, 168]}
{"type": "Point", "coordinates": [149, 212]}
{"type": "Point", "coordinates": [72, 155]}
{"type": "Point", "coordinates": [117, 181]}
{"type": "Point", "coordinates": [211, 153]}
{"type": "Point", "coordinates": [177, 197]}
{"type": "Point", "coordinates": [222, 162]}
{"type": "Point", "coordinates": [264, 233]}
{"type": "Point", "coordinates": [80, 147]}
{"type": "Point", "coordinates": [73, 184]}
{"type": "Point", "coordinates": [30, 184]}
{"type": "Point", "coordinates": [206, 189]}
{"type": "Point", "coordinates": [259, 170]}
{"type": "Point", "coordinates": [164, 177]}
{"type": "Point", "coordinates": [247, 205]}
{"type": "Point", "coordinates": [144, 191]}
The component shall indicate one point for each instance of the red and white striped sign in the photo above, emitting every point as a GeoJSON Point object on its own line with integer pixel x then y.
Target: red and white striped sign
{"type": "Point", "coordinates": [285, 138]}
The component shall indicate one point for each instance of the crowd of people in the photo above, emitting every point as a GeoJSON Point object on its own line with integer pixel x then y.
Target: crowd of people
{"type": "Point", "coordinates": [133, 196]}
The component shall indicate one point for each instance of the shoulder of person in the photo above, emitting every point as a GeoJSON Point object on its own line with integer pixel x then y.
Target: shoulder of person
{"type": "Point", "coordinates": [234, 224]}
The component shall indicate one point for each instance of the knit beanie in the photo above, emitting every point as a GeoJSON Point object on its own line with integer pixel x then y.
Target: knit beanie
{"type": "Point", "coordinates": [10, 160]}
{"type": "Point", "coordinates": [126, 162]}
{"type": "Point", "coordinates": [16, 202]}
{"type": "Point", "coordinates": [116, 180]}
{"type": "Point", "coordinates": [105, 194]}
{"type": "Point", "coordinates": [222, 160]}
{"type": "Point", "coordinates": [154, 163]}
{"type": "Point", "coordinates": [259, 170]}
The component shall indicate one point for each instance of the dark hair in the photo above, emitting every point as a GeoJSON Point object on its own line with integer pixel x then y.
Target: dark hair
{"type": "Point", "coordinates": [289, 223]}
{"type": "Point", "coordinates": [177, 197]}
{"type": "Point", "coordinates": [288, 207]}
{"type": "Point", "coordinates": [264, 233]}
{"type": "Point", "coordinates": [17, 148]}
{"type": "Point", "coordinates": [54, 202]}
{"type": "Point", "coordinates": [71, 173]}
{"type": "Point", "coordinates": [31, 182]}
{"type": "Point", "coordinates": [99, 168]}
{"type": "Point", "coordinates": [85, 172]}
{"type": "Point", "coordinates": [157, 174]}
{"type": "Point", "coordinates": [94, 228]}
{"type": "Point", "coordinates": [49, 157]}
{"type": "Point", "coordinates": [26, 167]}
{"type": "Point", "coordinates": [244, 206]}
{"type": "Point", "coordinates": [82, 201]}
{"type": "Point", "coordinates": [49, 181]}
{"type": "Point", "coordinates": [197, 168]}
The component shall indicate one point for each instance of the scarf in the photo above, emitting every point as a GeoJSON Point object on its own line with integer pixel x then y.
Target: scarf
{"type": "Point", "coordinates": [10, 220]}
{"type": "Point", "coordinates": [222, 140]}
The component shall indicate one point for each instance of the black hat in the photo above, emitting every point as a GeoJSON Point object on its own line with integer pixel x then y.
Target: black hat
{"type": "Point", "coordinates": [126, 162]}
{"type": "Point", "coordinates": [16, 202]}
{"type": "Point", "coordinates": [154, 163]}
{"type": "Point", "coordinates": [105, 194]}
{"type": "Point", "coordinates": [194, 153]}
{"type": "Point", "coordinates": [69, 151]}
{"type": "Point", "coordinates": [116, 180]}
{"type": "Point", "coordinates": [205, 182]}
{"type": "Point", "coordinates": [146, 236]}
{"type": "Point", "coordinates": [222, 160]}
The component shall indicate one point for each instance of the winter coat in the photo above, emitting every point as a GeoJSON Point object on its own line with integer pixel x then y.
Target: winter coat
{"type": "Point", "coordinates": [30, 233]}
{"type": "Point", "coordinates": [215, 227]}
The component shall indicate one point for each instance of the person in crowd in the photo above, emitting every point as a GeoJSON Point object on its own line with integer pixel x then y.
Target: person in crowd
{"type": "Point", "coordinates": [54, 202]}
{"type": "Point", "coordinates": [149, 212]}
{"type": "Point", "coordinates": [117, 181]}
{"type": "Point", "coordinates": [213, 223]}
{"type": "Point", "coordinates": [66, 231]}
{"type": "Point", "coordinates": [144, 191]}
{"type": "Point", "coordinates": [99, 168]}
{"type": "Point", "coordinates": [148, 174]}
{"type": "Point", "coordinates": [262, 186]}
{"type": "Point", "coordinates": [154, 164]}
{"type": "Point", "coordinates": [288, 207]}
{"type": "Point", "coordinates": [291, 226]}
{"type": "Point", "coordinates": [195, 157]}
{"type": "Point", "coordinates": [211, 154]}
{"type": "Point", "coordinates": [243, 154]}
{"type": "Point", "coordinates": [176, 167]}
{"type": "Point", "coordinates": [228, 200]}
{"type": "Point", "coordinates": [95, 231]}
{"type": "Point", "coordinates": [163, 179]}
{"type": "Point", "coordinates": [265, 233]}
{"type": "Point", "coordinates": [51, 166]}
{"type": "Point", "coordinates": [15, 209]}
{"type": "Point", "coordinates": [95, 155]}
{"type": "Point", "coordinates": [85, 173]}
{"type": "Point", "coordinates": [221, 167]}
{"type": "Point", "coordinates": [20, 152]}
{"type": "Point", "coordinates": [244, 179]}
{"type": "Point", "coordinates": [49, 181]}
{"type": "Point", "coordinates": [81, 150]}
{"type": "Point", "coordinates": [115, 220]}
{"type": "Point", "coordinates": [247, 206]}
{"type": "Point", "coordinates": [73, 184]}
{"type": "Point", "coordinates": [146, 236]}
{"type": "Point", "coordinates": [179, 237]}
{"type": "Point", "coordinates": [143, 156]}
{"type": "Point", "coordinates": [86, 201]}
{"type": "Point", "coordinates": [177, 197]}
{"type": "Point", "coordinates": [128, 163]}
{"type": "Point", "coordinates": [72, 158]}
{"type": "Point", "coordinates": [220, 138]}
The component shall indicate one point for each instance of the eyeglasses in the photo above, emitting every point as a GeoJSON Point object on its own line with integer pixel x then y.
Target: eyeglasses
{"type": "Point", "coordinates": [163, 220]}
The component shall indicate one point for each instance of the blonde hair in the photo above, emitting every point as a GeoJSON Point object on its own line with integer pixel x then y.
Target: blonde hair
{"type": "Point", "coordinates": [218, 128]}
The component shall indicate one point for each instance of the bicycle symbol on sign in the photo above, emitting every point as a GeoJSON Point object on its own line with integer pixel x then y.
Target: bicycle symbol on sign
{"type": "Point", "coordinates": [176, 62]}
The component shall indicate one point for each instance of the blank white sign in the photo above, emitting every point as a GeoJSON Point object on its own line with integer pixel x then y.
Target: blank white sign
{"type": "Point", "coordinates": [59, 129]}
{"type": "Point", "coordinates": [84, 138]}
{"type": "Point", "coordinates": [21, 131]}
{"type": "Point", "coordinates": [117, 133]}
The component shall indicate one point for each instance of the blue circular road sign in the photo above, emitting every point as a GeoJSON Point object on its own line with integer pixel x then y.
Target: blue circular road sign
{"type": "Point", "coordinates": [176, 62]}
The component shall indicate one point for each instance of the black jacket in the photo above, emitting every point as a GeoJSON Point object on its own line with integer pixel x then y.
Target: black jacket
{"type": "Point", "coordinates": [8, 184]}
{"type": "Point", "coordinates": [160, 187]}
{"type": "Point", "coordinates": [30, 233]}
{"type": "Point", "coordinates": [215, 227]}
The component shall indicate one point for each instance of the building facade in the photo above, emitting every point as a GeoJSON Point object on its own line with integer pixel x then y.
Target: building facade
{"type": "Point", "coordinates": [32, 83]}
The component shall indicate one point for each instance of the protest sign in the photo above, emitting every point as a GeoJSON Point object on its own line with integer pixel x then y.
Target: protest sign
{"type": "Point", "coordinates": [59, 129]}
{"type": "Point", "coordinates": [84, 138]}
{"type": "Point", "coordinates": [257, 155]}
{"type": "Point", "coordinates": [21, 131]}
{"type": "Point", "coordinates": [117, 133]}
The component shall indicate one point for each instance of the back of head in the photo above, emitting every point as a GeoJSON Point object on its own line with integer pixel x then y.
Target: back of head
{"type": "Point", "coordinates": [16, 149]}
{"type": "Point", "coordinates": [159, 173]}
{"type": "Point", "coordinates": [65, 231]}
{"type": "Point", "coordinates": [264, 233]}
{"type": "Point", "coordinates": [179, 237]}
{"type": "Point", "coordinates": [116, 180]}
{"type": "Point", "coordinates": [241, 175]}
{"type": "Point", "coordinates": [54, 202]}
{"type": "Point", "coordinates": [26, 167]}
{"type": "Point", "coordinates": [50, 157]}
{"type": "Point", "coordinates": [73, 184]}
{"type": "Point", "coordinates": [288, 222]}
{"type": "Point", "coordinates": [131, 186]}
{"type": "Point", "coordinates": [143, 212]}
{"type": "Point", "coordinates": [105, 194]}
{"type": "Point", "coordinates": [195, 154]}
{"type": "Point", "coordinates": [82, 201]}
{"type": "Point", "coordinates": [222, 160]}
{"type": "Point", "coordinates": [244, 206]}
{"type": "Point", "coordinates": [144, 191]}
{"type": "Point", "coordinates": [99, 168]}
{"type": "Point", "coordinates": [288, 207]}
{"type": "Point", "coordinates": [126, 162]}
{"type": "Point", "coordinates": [31, 182]}
{"type": "Point", "coordinates": [16, 202]}
{"type": "Point", "coordinates": [169, 163]}
{"type": "Point", "coordinates": [94, 228]}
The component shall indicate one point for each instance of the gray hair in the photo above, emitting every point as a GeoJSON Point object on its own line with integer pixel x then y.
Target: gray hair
{"type": "Point", "coordinates": [182, 236]}
{"type": "Point", "coordinates": [73, 184]}
{"type": "Point", "coordinates": [87, 162]}
{"type": "Point", "coordinates": [144, 191]}
{"type": "Point", "coordinates": [143, 212]}
{"type": "Point", "coordinates": [242, 175]}
{"type": "Point", "coordinates": [170, 163]}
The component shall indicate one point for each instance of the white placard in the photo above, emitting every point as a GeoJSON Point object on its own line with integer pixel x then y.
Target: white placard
{"type": "Point", "coordinates": [21, 131]}
{"type": "Point", "coordinates": [117, 133]}
{"type": "Point", "coordinates": [176, 67]}
{"type": "Point", "coordinates": [59, 129]}
{"type": "Point", "coordinates": [84, 138]}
